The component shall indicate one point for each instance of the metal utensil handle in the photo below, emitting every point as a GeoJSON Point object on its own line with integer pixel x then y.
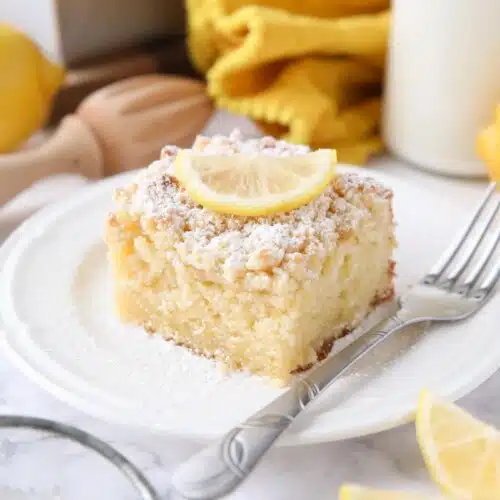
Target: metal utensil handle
{"type": "Point", "coordinates": [221, 467]}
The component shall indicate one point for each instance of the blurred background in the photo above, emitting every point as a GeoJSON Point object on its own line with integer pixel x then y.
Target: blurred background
{"type": "Point", "coordinates": [362, 77]}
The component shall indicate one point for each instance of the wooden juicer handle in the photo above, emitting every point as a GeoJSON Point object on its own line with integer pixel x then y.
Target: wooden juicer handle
{"type": "Point", "coordinates": [119, 127]}
{"type": "Point", "coordinates": [72, 149]}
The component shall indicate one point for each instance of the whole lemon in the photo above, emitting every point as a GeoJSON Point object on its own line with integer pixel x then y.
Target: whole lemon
{"type": "Point", "coordinates": [28, 83]}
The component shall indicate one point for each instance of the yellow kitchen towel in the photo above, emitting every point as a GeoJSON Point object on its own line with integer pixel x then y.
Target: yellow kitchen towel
{"type": "Point", "coordinates": [309, 71]}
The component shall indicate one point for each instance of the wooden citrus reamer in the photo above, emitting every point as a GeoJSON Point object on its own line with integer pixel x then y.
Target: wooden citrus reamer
{"type": "Point", "coordinates": [120, 127]}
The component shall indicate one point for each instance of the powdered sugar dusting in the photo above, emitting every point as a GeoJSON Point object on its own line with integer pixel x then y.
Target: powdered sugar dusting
{"type": "Point", "coordinates": [234, 244]}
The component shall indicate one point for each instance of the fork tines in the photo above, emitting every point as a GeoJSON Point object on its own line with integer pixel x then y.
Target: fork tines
{"type": "Point", "coordinates": [473, 251]}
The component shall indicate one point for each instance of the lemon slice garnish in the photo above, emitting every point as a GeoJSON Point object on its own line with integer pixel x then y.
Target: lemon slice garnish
{"type": "Point", "coordinates": [461, 453]}
{"type": "Point", "coordinates": [354, 492]}
{"type": "Point", "coordinates": [255, 185]}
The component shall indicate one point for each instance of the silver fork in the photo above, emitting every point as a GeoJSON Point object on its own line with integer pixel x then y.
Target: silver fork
{"type": "Point", "coordinates": [441, 296]}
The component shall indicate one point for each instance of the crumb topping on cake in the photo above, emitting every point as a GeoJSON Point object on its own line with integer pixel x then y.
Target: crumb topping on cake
{"type": "Point", "coordinates": [300, 239]}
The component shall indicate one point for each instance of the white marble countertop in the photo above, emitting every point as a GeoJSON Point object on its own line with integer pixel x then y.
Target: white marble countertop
{"type": "Point", "coordinates": [51, 467]}
{"type": "Point", "coordinates": [48, 467]}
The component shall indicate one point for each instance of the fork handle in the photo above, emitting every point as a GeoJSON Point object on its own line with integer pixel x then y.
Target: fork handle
{"type": "Point", "coordinates": [72, 149]}
{"type": "Point", "coordinates": [221, 467]}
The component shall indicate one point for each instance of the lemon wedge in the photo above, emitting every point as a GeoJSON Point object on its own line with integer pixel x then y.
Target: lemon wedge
{"type": "Point", "coordinates": [354, 492]}
{"type": "Point", "coordinates": [255, 185]}
{"type": "Point", "coordinates": [461, 453]}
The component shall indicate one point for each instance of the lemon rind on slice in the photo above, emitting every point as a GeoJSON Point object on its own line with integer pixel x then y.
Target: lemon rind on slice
{"type": "Point", "coordinates": [306, 190]}
{"type": "Point", "coordinates": [356, 492]}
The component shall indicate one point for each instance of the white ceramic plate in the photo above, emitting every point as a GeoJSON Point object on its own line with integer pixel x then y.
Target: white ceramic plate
{"type": "Point", "coordinates": [57, 314]}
